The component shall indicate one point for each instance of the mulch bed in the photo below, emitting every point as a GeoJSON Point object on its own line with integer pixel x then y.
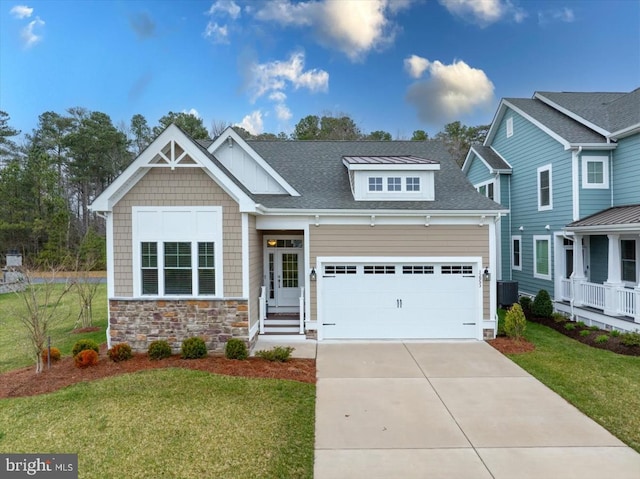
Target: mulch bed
{"type": "Point", "coordinates": [512, 346]}
{"type": "Point", "coordinates": [25, 382]}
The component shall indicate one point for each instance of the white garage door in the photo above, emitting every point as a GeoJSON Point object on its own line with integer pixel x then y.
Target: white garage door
{"type": "Point", "coordinates": [400, 300]}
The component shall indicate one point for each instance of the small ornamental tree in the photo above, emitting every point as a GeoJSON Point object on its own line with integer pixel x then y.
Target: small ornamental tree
{"type": "Point", "coordinates": [542, 306]}
{"type": "Point", "coordinates": [515, 322]}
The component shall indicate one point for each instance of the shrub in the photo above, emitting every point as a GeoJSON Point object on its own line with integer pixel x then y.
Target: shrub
{"type": "Point", "coordinates": [55, 355]}
{"type": "Point", "coordinates": [614, 333]}
{"type": "Point", "coordinates": [279, 353]}
{"type": "Point", "coordinates": [630, 339]}
{"type": "Point", "coordinates": [86, 358]}
{"type": "Point", "coordinates": [558, 317]}
{"type": "Point", "coordinates": [603, 338]}
{"type": "Point", "coordinates": [84, 344]}
{"type": "Point", "coordinates": [514, 322]}
{"type": "Point", "coordinates": [582, 324]}
{"type": "Point", "coordinates": [585, 332]}
{"type": "Point", "coordinates": [594, 328]}
{"type": "Point", "coordinates": [542, 305]}
{"type": "Point", "coordinates": [236, 349]}
{"type": "Point", "coordinates": [120, 352]}
{"type": "Point", "coordinates": [500, 331]}
{"type": "Point", "coordinates": [193, 348]}
{"type": "Point", "coordinates": [159, 349]}
{"type": "Point", "coordinates": [525, 303]}
{"type": "Point", "coordinates": [570, 326]}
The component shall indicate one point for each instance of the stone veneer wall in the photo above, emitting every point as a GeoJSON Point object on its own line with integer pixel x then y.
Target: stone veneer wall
{"type": "Point", "coordinates": [138, 323]}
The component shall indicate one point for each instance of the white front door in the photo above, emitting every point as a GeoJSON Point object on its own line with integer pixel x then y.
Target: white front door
{"type": "Point", "coordinates": [284, 277]}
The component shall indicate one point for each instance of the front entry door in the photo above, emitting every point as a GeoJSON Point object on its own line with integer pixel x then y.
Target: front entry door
{"type": "Point", "coordinates": [285, 275]}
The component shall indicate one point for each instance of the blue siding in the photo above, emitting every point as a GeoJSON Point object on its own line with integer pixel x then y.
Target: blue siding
{"type": "Point", "coordinates": [593, 200]}
{"type": "Point", "coordinates": [626, 171]}
{"type": "Point", "coordinates": [598, 254]}
{"type": "Point", "coordinates": [505, 228]}
{"type": "Point", "coordinates": [528, 149]}
{"type": "Point", "coordinates": [478, 172]}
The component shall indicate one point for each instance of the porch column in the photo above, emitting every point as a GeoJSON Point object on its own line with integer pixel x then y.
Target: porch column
{"type": "Point", "coordinates": [577, 277]}
{"type": "Point", "coordinates": [614, 276]}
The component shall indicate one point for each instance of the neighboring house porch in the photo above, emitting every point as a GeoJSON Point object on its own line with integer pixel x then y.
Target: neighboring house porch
{"type": "Point", "coordinates": [601, 286]}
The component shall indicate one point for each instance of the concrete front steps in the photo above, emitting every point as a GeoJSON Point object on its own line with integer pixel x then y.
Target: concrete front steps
{"type": "Point", "coordinates": [281, 324]}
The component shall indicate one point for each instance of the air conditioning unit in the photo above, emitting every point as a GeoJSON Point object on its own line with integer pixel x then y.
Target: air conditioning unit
{"type": "Point", "coordinates": [507, 293]}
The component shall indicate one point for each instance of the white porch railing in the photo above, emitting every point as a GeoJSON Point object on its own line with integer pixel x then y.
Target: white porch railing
{"type": "Point", "coordinates": [592, 295]}
{"type": "Point", "coordinates": [301, 303]}
{"type": "Point", "coordinates": [565, 289]}
{"type": "Point", "coordinates": [262, 308]}
{"type": "Point", "coordinates": [627, 305]}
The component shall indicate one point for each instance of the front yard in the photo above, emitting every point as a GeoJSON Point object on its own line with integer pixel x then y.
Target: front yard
{"type": "Point", "coordinates": [603, 385]}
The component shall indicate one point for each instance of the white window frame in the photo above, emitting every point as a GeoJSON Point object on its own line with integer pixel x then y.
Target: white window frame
{"type": "Point", "coordinates": [540, 170]}
{"type": "Point", "coordinates": [393, 182]}
{"type": "Point", "coordinates": [486, 185]}
{"type": "Point", "coordinates": [509, 127]}
{"type": "Point", "coordinates": [536, 239]}
{"type": "Point", "coordinates": [197, 224]}
{"type": "Point", "coordinates": [636, 261]}
{"type": "Point", "coordinates": [513, 265]}
{"type": "Point", "coordinates": [604, 161]}
{"type": "Point", "coordinates": [375, 184]}
{"type": "Point", "coordinates": [415, 184]}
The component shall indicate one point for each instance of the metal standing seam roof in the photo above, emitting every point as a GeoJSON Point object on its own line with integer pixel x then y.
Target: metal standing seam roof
{"type": "Point", "coordinates": [491, 157]}
{"type": "Point", "coordinates": [567, 128]}
{"type": "Point", "coordinates": [388, 160]}
{"type": "Point", "coordinates": [617, 215]}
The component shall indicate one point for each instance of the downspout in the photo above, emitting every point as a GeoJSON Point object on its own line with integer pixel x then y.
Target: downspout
{"type": "Point", "coordinates": [510, 231]}
{"type": "Point", "coordinates": [611, 175]}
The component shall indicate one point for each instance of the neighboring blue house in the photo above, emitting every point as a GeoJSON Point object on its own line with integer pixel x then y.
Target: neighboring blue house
{"type": "Point", "coordinates": [567, 166]}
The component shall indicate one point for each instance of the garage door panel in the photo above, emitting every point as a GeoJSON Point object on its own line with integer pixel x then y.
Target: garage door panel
{"type": "Point", "coordinates": [414, 301]}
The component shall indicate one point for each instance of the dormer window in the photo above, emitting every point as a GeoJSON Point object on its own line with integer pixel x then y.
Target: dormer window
{"type": "Point", "coordinates": [391, 178]}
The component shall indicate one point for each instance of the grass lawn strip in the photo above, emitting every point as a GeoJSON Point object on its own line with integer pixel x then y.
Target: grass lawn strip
{"type": "Point", "coordinates": [603, 385]}
{"type": "Point", "coordinates": [15, 349]}
{"type": "Point", "coordinates": [171, 423]}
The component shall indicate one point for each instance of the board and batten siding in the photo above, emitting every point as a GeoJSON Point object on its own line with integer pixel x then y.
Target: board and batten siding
{"type": "Point", "coordinates": [255, 270]}
{"type": "Point", "coordinates": [180, 187]}
{"type": "Point", "coordinates": [626, 171]}
{"type": "Point", "coordinates": [526, 150]}
{"type": "Point", "coordinates": [385, 240]}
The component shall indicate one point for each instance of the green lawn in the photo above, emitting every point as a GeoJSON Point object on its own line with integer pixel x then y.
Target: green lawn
{"type": "Point", "coordinates": [172, 423]}
{"type": "Point", "coordinates": [603, 385]}
{"type": "Point", "coordinates": [14, 342]}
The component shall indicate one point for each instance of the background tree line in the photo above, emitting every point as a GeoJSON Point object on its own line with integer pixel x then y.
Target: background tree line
{"type": "Point", "coordinates": [48, 181]}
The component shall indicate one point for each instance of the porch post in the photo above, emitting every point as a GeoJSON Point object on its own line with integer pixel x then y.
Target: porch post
{"type": "Point", "coordinates": [577, 277]}
{"type": "Point", "coordinates": [614, 276]}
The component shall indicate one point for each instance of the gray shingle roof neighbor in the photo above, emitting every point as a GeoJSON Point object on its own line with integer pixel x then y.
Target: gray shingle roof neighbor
{"type": "Point", "coordinates": [611, 111]}
{"type": "Point", "coordinates": [316, 171]}
{"type": "Point", "coordinates": [617, 215]}
{"type": "Point", "coordinates": [388, 160]}
{"type": "Point", "coordinates": [569, 129]}
{"type": "Point", "coordinates": [491, 157]}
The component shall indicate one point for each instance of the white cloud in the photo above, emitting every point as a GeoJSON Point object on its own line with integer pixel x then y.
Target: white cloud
{"type": "Point", "coordinates": [217, 33]}
{"type": "Point", "coordinates": [277, 96]}
{"type": "Point", "coordinates": [21, 11]}
{"type": "Point", "coordinates": [228, 7]}
{"type": "Point", "coordinates": [28, 35]}
{"type": "Point", "coordinates": [274, 76]}
{"type": "Point", "coordinates": [564, 15]}
{"type": "Point", "coordinates": [282, 112]}
{"type": "Point", "coordinates": [451, 92]}
{"type": "Point", "coordinates": [415, 65]}
{"type": "Point", "coordinates": [192, 112]}
{"type": "Point", "coordinates": [252, 123]}
{"type": "Point", "coordinates": [353, 27]}
{"type": "Point", "coordinates": [483, 12]}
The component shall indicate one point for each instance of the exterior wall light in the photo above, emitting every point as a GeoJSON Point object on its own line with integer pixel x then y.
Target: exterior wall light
{"type": "Point", "coordinates": [313, 275]}
{"type": "Point", "coordinates": [486, 276]}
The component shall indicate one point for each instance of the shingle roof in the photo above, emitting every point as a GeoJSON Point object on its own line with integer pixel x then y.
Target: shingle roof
{"type": "Point", "coordinates": [617, 215]}
{"type": "Point", "coordinates": [611, 111]}
{"type": "Point", "coordinates": [562, 125]}
{"type": "Point", "coordinates": [388, 160]}
{"type": "Point", "coordinates": [316, 171]}
{"type": "Point", "coordinates": [491, 157]}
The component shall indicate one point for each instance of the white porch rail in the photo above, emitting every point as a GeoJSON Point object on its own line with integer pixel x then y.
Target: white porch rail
{"type": "Point", "coordinates": [262, 308]}
{"type": "Point", "coordinates": [592, 295]}
{"type": "Point", "coordinates": [301, 303]}
{"type": "Point", "coordinates": [627, 302]}
{"type": "Point", "coordinates": [565, 291]}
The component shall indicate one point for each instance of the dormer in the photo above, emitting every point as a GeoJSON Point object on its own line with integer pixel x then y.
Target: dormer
{"type": "Point", "coordinates": [391, 178]}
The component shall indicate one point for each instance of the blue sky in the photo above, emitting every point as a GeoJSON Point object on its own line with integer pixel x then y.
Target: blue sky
{"type": "Point", "coordinates": [393, 65]}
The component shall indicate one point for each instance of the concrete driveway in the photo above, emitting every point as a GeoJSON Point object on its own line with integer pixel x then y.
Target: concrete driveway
{"type": "Point", "coordinates": [450, 410]}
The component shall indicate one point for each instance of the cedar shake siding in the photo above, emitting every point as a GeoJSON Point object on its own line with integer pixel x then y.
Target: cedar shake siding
{"type": "Point", "coordinates": [385, 240]}
{"type": "Point", "coordinates": [179, 187]}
